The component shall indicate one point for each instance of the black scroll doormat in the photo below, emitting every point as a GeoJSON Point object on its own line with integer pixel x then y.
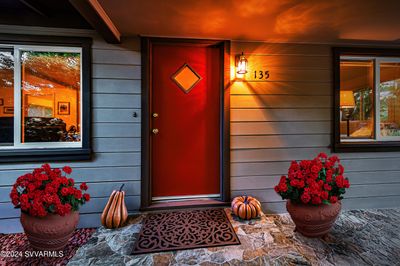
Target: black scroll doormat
{"type": "Point", "coordinates": [189, 229]}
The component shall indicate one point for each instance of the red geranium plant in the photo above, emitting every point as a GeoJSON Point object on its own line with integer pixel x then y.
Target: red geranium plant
{"type": "Point", "coordinates": [317, 181]}
{"type": "Point", "coordinates": [48, 191]}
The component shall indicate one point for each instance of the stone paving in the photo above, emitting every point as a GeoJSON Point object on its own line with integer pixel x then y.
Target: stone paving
{"type": "Point", "coordinates": [359, 237]}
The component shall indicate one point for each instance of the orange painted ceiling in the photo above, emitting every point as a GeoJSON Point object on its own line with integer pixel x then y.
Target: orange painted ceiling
{"type": "Point", "coordinates": [266, 20]}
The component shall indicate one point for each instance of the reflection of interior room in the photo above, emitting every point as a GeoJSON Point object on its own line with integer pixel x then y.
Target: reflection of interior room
{"type": "Point", "coordinates": [6, 98]}
{"type": "Point", "coordinates": [50, 98]}
{"type": "Point", "coordinates": [357, 99]}
{"type": "Point", "coordinates": [390, 99]}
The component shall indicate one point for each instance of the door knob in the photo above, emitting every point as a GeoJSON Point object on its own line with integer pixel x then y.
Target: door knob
{"type": "Point", "coordinates": [155, 115]}
{"type": "Point", "coordinates": [155, 131]}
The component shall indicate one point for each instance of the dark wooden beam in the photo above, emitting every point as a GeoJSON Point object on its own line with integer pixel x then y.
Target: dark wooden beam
{"type": "Point", "coordinates": [94, 13]}
{"type": "Point", "coordinates": [34, 7]}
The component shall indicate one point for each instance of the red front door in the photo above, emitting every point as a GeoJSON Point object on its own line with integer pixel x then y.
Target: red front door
{"type": "Point", "coordinates": [185, 120]}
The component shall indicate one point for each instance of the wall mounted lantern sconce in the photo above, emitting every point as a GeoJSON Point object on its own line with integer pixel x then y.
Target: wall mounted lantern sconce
{"type": "Point", "coordinates": [242, 65]}
{"type": "Point", "coordinates": [347, 105]}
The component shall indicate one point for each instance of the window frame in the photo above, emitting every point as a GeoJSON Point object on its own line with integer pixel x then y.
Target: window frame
{"type": "Point", "coordinates": [380, 143]}
{"type": "Point", "coordinates": [57, 152]}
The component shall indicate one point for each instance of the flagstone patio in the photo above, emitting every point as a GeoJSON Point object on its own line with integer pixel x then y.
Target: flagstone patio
{"type": "Point", "coordinates": [359, 237]}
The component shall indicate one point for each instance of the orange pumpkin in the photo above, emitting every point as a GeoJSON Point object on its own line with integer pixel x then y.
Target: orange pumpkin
{"type": "Point", "coordinates": [115, 213]}
{"type": "Point", "coordinates": [246, 207]}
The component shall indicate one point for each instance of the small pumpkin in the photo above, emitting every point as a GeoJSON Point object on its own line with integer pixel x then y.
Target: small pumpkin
{"type": "Point", "coordinates": [115, 213]}
{"type": "Point", "coordinates": [246, 207]}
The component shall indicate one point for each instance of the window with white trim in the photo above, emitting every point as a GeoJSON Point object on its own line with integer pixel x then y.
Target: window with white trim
{"type": "Point", "coordinates": [367, 99]}
{"type": "Point", "coordinates": [42, 100]}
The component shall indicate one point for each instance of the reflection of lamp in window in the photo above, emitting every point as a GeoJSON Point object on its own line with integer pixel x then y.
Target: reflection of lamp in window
{"type": "Point", "coordinates": [347, 106]}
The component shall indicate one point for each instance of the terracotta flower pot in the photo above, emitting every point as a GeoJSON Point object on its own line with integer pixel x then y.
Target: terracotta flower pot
{"type": "Point", "coordinates": [313, 221]}
{"type": "Point", "coordinates": [51, 232]}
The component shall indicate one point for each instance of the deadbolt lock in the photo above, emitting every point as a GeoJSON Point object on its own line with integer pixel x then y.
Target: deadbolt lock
{"type": "Point", "coordinates": [155, 115]}
{"type": "Point", "coordinates": [155, 131]}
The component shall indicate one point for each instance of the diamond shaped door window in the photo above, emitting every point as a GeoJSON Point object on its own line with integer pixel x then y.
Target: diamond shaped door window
{"type": "Point", "coordinates": [186, 78]}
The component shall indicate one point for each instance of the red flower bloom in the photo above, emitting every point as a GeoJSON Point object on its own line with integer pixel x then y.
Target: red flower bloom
{"type": "Point", "coordinates": [283, 187]}
{"type": "Point", "coordinates": [315, 169]}
{"type": "Point", "coordinates": [339, 181]}
{"type": "Point", "coordinates": [333, 199]}
{"type": "Point", "coordinates": [65, 191]}
{"type": "Point", "coordinates": [67, 170]}
{"type": "Point", "coordinates": [46, 191]}
{"type": "Point", "coordinates": [63, 180]}
{"type": "Point", "coordinates": [31, 187]}
{"type": "Point", "coordinates": [346, 183]}
{"type": "Point", "coordinates": [78, 194]}
{"type": "Point", "coordinates": [316, 200]}
{"type": "Point", "coordinates": [324, 195]}
{"type": "Point", "coordinates": [334, 159]}
{"type": "Point", "coordinates": [24, 202]}
{"type": "Point", "coordinates": [305, 198]}
{"type": "Point", "coordinates": [341, 169]}
{"type": "Point", "coordinates": [83, 186]}
{"type": "Point", "coordinates": [314, 181]}
{"type": "Point", "coordinates": [86, 197]}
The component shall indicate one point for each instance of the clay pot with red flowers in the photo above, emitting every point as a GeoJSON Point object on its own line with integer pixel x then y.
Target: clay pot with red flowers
{"type": "Point", "coordinates": [314, 189]}
{"type": "Point", "coordinates": [49, 203]}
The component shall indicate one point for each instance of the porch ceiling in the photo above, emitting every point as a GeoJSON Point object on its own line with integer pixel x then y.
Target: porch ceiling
{"type": "Point", "coordinates": [267, 20]}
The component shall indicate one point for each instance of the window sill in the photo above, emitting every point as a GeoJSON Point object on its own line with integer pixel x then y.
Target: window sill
{"type": "Point", "coordinates": [377, 146]}
{"type": "Point", "coordinates": [35, 155]}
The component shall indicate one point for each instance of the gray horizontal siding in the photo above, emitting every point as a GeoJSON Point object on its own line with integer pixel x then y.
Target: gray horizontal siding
{"type": "Point", "coordinates": [272, 167]}
{"type": "Point", "coordinates": [113, 71]}
{"type": "Point", "coordinates": [279, 141]}
{"type": "Point", "coordinates": [84, 174]}
{"type": "Point", "coordinates": [281, 88]}
{"type": "Point", "coordinates": [115, 130]}
{"type": "Point", "coordinates": [280, 128]}
{"type": "Point", "coordinates": [116, 115]}
{"type": "Point", "coordinates": [115, 101]}
{"type": "Point", "coordinates": [116, 86]}
{"type": "Point", "coordinates": [280, 101]}
{"type": "Point", "coordinates": [115, 136]}
{"type": "Point", "coordinates": [288, 117]}
{"type": "Point", "coordinates": [294, 153]}
{"type": "Point", "coordinates": [110, 56]}
{"type": "Point", "coordinates": [276, 115]}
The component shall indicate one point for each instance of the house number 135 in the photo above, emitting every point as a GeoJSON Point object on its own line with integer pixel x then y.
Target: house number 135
{"type": "Point", "coordinates": [260, 74]}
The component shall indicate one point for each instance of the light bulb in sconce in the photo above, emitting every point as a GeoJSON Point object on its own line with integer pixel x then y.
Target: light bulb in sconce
{"type": "Point", "coordinates": [242, 65]}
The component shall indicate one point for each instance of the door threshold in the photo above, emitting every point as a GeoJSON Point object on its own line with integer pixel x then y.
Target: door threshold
{"type": "Point", "coordinates": [187, 197]}
{"type": "Point", "coordinates": [185, 204]}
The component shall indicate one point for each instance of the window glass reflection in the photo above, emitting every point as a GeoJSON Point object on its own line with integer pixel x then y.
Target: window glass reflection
{"type": "Point", "coordinates": [356, 99]}
{"type": "Point", "coordinates": [389, 97]}
{"type": "Point", "coordinates": [6, 98]}
{"type": "Point", "coordinates": [50, 97]}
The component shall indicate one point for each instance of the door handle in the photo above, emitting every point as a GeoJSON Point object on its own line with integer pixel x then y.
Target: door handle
{"type": "Point", "coordinates": [155, 131]}
{"type": "Point", "coordinates": [155, 115]}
